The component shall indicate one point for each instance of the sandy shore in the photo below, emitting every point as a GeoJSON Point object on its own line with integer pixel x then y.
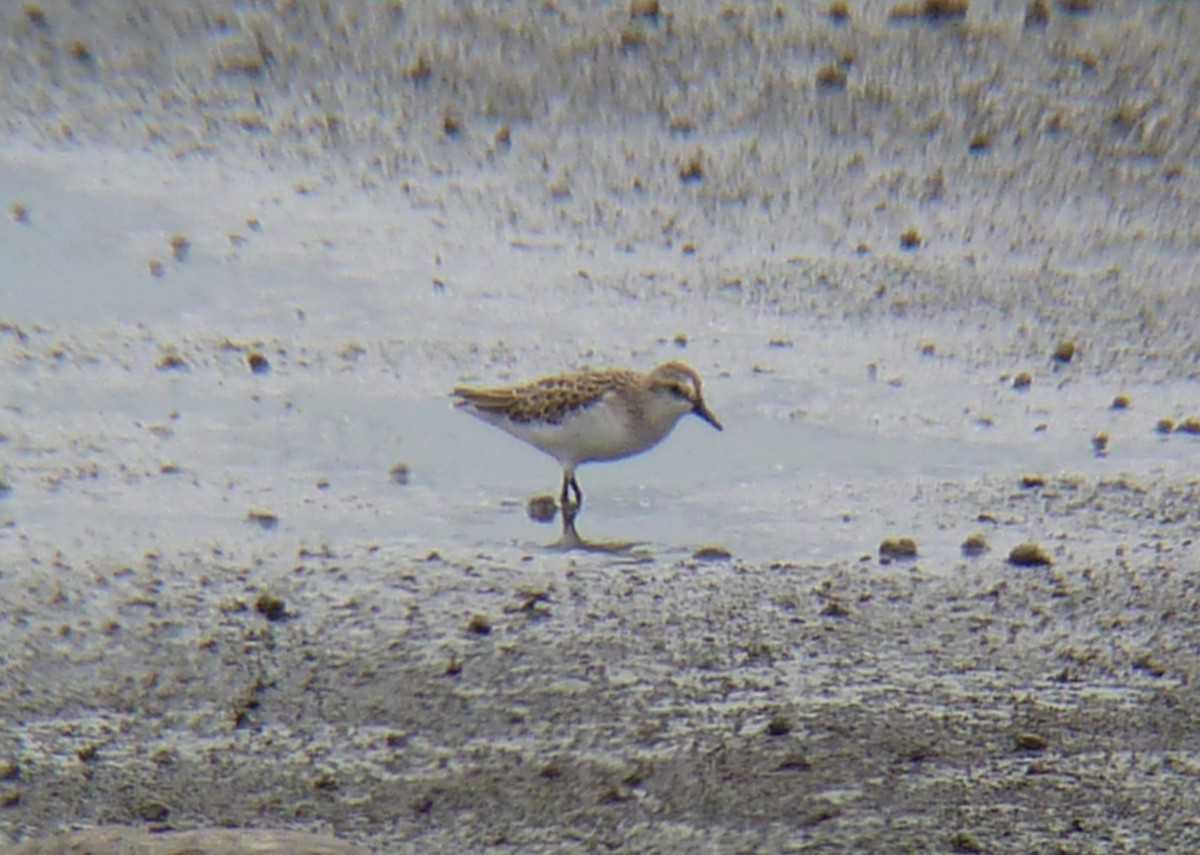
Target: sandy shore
{"type": "Point", "coordinates": [249, 248]}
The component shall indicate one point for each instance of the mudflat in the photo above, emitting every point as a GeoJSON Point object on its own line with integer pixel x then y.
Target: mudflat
{"type": "Point", "coordinates": [934, 588]}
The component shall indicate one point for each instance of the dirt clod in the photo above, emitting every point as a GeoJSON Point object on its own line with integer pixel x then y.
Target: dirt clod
{"type": "Point", "coordinates": [975, 544]}
{"type": "Point", "coordinates": [399, 473]}
{"type": "Point", "coordinates": [258, 363]}
{"type": "Point", "coordinates": [270, 606]}
{"type": "Point", "coordinates": [713, 552]}
{"type": "Point", "coordinates": [261, 517]}
{"type": "Point", "coordinates": [898, 547]}
{"type": "Point", "coordinates": [964, 841]}
{"type": "Point", "coordinates": [1064, 352]}
{"type": "Point", "coordinates": [542, 508]}
{"type": "Point", "coordinates": [779, 725]}
{"type": "Point", "coordinates": [1027, 741]}
{"type": "Point", "coordinates": [1028, 555]}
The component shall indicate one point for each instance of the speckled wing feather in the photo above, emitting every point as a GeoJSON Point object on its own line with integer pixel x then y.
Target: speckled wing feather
{"type": "Point", "coordinates": [550, 399]}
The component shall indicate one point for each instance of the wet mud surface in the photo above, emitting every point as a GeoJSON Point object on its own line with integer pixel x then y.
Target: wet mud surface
{"type": "Point", "coordinates": [263, 590]}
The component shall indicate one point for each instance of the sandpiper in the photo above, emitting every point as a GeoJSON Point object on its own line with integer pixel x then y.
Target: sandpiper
{"type": "Point", "coordinates": [592, 415]}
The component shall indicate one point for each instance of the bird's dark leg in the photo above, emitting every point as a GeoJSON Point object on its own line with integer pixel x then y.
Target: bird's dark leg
{"type": "Point", "coordinates": [568, 520]}
{"type": "Point", "coordinates": [569, 510]}
{"type": "Point", "coordinates": [570, 485]}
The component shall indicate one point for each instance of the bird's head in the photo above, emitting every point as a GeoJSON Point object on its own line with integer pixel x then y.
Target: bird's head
{"type": "Point", "coordinates": [677, 387]}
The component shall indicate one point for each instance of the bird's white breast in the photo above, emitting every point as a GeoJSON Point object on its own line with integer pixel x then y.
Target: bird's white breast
{"type": "Point", "coordinates": [604, 431]}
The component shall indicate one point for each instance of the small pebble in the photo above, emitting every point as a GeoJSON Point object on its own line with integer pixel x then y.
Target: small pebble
{"type": "Point", "coordinates": [835, 608]}
{"type": "Point", "coordinates": [1028, 555]}
{"type": "Point", "coordinates": [152, 811]}
{"type": "Point", "coordinates": [271, 607]}
{"type": "Point", "coordinates": [262, 518]}
{"type": "Point", "coordinates": [399, 473]}
{"type": "Point", "coordinates": [170, 361]}
{"type": "Point", "coordinates": [898, 547]}
{"type": "Point", "coordinates": [180, 247]}
{"type": "Point", "coordinates": [1031, 742]}
{"type": "Point", "coordinates": [541, 508]}
{"type": "Point", "coordinates": [258, 363]}
{"type": "Point", "coordinates": [779, 725]}
{"type": "Point", "coordinates": [1065, 351]}
{"type": "Point", "coordinates": [964, 841]}
{"type": "Point", "coordinates": [975, 544]}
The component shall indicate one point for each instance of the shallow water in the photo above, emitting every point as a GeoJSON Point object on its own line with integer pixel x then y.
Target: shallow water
{"type": "Point", "coordinates": [317, 455]}
{"type": "Point", "coordinates": [833, 441]}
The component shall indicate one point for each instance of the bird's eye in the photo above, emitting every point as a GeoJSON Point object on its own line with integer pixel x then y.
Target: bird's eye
{"type": "Point", "coordinates": [679, 392]}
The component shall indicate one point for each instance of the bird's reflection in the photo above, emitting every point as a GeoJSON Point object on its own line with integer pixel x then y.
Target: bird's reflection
{"type": "Point", "coordinates": [571, 540]}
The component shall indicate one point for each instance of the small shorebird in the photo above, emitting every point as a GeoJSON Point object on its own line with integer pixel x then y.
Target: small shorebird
{"type": "Point", "coordinates": [602, 414]}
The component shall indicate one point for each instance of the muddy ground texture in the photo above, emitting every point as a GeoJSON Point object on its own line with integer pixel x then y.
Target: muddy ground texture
{"type": "Point", "coordinates": [454, 696]}
{"type": "Point", "coordinates": [534, 703]}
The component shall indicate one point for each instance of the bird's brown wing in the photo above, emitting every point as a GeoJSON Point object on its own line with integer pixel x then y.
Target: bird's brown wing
{"type": "Point", "coordinates": [549, 399]}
